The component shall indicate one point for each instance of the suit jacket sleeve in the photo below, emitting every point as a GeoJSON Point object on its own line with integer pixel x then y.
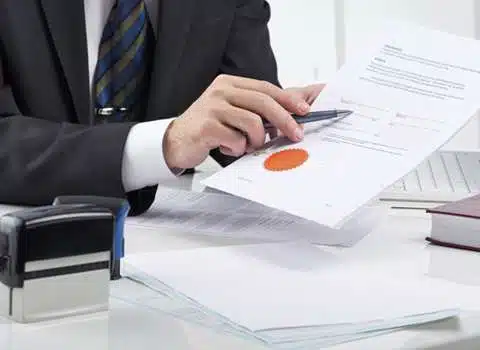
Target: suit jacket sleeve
{"type": "Point", "coordinates": [249, 52]}
{"type": "Point", "coordinates": [40, 159]}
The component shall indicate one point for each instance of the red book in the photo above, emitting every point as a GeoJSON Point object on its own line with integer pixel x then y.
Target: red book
{"type": "Point", "coordinates": [457, 224]}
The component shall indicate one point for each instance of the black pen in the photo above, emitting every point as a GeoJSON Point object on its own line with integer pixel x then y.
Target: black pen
{"type": "Point", "coordinates": [315, 116]}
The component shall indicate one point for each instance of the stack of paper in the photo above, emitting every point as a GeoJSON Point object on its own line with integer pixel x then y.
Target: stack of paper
{"type": "Point", "coordinates": [223, 215]}
{"type": "Point", "coordinates": [289, 295]}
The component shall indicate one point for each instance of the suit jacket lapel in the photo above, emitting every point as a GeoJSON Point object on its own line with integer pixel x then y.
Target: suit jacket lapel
{"type": "Point", "coordinates": [174, 20]}
{"type": "Point", "coordinates": [66, 21]}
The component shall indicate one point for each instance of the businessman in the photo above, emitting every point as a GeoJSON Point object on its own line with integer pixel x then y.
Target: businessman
{"type": "Point", "coordinates": [111, 97]}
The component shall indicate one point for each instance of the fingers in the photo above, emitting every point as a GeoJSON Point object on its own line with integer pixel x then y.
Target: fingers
{"type": "Point", "coordinates": [231, 142]}
{"type": "Point", "coordinates": [227, 151]}
{"type": "Point", "coordinates": [248, 123]}
{"type": "Point", "coordinates": [229, 115]}
{"type": "Point", "coordinates": [267, 107]}
{"type": "Point", "coordinates": [292, 102]}
{"type": "Point", "coordinates": [272, 133]}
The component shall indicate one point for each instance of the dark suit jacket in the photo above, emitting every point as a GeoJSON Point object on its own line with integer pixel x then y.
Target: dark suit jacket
{"type": "Point", "coordinates": [49, 145]}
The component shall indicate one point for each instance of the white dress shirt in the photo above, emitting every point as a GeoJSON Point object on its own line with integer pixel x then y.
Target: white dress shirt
{"type": "Point", "coordinates": [143, 160]}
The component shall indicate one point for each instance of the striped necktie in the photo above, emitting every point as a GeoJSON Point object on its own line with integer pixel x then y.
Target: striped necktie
{"type": "Point", "coordinates": [123, 67]}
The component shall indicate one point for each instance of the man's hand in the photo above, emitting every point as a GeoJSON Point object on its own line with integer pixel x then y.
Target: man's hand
{"type": "Point", "coordinates": [308, 93]}
{"type": "Point", "coordinates": [229, 115]}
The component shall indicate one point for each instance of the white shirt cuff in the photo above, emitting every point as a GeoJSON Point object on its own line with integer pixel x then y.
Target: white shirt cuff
{"type": "Point", "coordinates": [143, 159]}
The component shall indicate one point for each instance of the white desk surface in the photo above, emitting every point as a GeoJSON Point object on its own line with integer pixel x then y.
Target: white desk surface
{"type": "Point", "coordinates": [398, 245]}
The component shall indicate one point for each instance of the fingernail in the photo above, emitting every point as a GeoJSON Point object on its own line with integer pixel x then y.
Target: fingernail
{"type": "Point", "coordinates": [299, 134]}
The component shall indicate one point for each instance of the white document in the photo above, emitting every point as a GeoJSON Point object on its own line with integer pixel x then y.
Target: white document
{"type": "Point", "coordinates": [223, 215]}
{"type": "Point", "coordinates": [147, 296]}
{"type": "Point", "coordinates": [291, 292]}
{"type": "Point", "coordinates": [410, 91]}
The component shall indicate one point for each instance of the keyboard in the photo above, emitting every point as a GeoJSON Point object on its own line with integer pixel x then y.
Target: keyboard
{"type": "Point", "coordinates": [443, 177]}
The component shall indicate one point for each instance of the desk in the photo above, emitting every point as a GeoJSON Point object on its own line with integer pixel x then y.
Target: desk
{"type": "Point", "coordinates": [397, 246]}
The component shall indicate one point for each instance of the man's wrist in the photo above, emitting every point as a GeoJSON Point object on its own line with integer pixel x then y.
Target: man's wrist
{"type": "Point", "coordinates": [177, 171]}
{"type": "Point", "coordinates": [144, 162]}
{"type": "Point", "coordinates": [170, 141]}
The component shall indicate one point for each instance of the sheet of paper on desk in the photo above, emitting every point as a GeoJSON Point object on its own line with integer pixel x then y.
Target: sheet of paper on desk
{"type": "Point", "coordinates": [134, 291]}
{"type": "Point", "coordinates": [219, 214]}
{"type": "Point", "coordinates": [292, 295]}
{"type": "Point", "coordinates": [411, 90]}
